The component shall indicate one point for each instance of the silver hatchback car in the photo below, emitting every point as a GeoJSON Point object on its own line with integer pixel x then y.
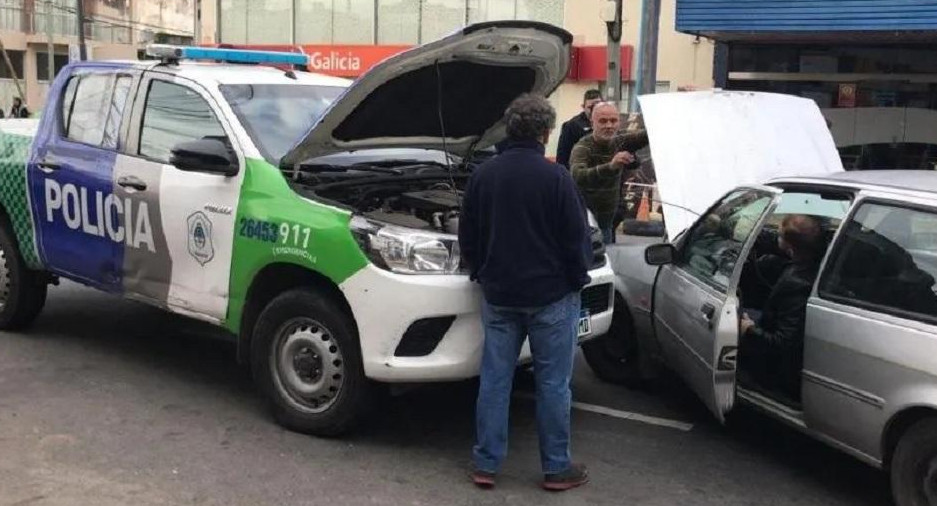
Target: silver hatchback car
{"type": "Point", "coordinates": [865, 362]}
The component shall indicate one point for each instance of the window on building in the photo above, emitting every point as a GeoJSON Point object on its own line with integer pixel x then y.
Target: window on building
{"type": "Point", "coordinates": [885, 262]}
{"type": "Point", "coordinates": [174, 114]}
{"type": "Point", "coordinates": [233, 21]}
{"type": "Point", "coordinates": [439, 18]}
{"type": "Point", "coordinates": [548, 11]}
{"type": "Point", "coordinates": [398, 22]}
{"type": "Point", "coordinates": [314, 22]}
{"type": "Point", "coordinates": [42, 65]}
{"type": "Point", "coordinates": [268, 21]}
{"type": "Point", "coordinates": [485, 10]}
{"type": "Point", "coordinates": [16, 59]}
{"type": "Point", "coordinates": [353, 21]}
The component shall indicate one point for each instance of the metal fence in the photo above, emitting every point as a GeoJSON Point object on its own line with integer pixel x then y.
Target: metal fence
{"type": "Point", "coordinates": [17, 19]}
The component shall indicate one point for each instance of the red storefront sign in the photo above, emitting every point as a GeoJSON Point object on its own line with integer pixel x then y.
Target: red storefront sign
{"type": "Point", "coordinates": [587, 63]}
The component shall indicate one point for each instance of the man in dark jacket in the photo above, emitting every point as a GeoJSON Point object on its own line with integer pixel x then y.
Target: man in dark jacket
{"type": "Point", "coordinates": [772, 350]}
{"type": "Point", "coordinates": [18, 110]}
{"type": "Point", "coordinates": [577, 127]}
{"type": "Point", "coordinates": [524, 237]}
{"type": "Point", "coordinates": [599, 163]}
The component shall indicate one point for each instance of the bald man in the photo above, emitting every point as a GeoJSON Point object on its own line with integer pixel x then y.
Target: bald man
{"type": "Point", "coordinates": [599, 162]}
{"type": "Point", "coordinates": [772, 350]}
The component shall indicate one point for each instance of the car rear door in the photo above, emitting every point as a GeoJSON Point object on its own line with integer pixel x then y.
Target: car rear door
{"type": "Point", "coordinates": [696, 313]}
{"type": "Point", "coordinates": [79, 221]}
{"type": "Point", "coordinates": [869, 345]}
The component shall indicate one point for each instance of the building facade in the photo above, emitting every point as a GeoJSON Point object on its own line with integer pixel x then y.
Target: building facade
{"type": "Point", "coordinates": [346, 37]}
{"type": "Point", "coordinates": [114, 29]}
{"type": "Point", "coordinates": [867, 63]}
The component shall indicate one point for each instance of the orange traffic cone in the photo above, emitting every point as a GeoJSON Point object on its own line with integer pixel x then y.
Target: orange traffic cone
{"type": "Point", "coordinates": [644, 208]}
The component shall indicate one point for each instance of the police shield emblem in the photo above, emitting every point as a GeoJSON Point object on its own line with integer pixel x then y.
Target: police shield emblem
{"type": "Point", "coordinates": [200, 243]}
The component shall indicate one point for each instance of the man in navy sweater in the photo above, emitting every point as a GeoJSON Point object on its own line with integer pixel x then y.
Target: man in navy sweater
{"type": "Point", "coordinates": [524, 236]}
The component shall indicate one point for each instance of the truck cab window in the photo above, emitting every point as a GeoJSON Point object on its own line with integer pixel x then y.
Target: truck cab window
{"type": "Point", "coordinates": [175, 114]}
{"type": "Point", "coordinates": [91, 101]}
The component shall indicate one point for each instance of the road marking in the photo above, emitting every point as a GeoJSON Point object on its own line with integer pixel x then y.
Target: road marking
{"type": "Point", "coordinates": [624, 415]}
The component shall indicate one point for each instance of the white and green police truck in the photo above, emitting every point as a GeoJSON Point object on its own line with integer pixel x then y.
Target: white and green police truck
{"type": "Point", "coordinates": [312, 217]}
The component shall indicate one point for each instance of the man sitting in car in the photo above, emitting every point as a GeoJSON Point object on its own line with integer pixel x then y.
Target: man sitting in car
{"type": "Point", "coordinates": [771, 349]}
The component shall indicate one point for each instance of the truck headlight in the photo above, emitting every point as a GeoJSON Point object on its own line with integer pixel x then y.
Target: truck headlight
{"type": "Point", "coordinates": [406, 251]}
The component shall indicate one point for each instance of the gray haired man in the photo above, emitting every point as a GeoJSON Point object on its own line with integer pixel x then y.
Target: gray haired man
{"type": "Point", "coordinates": [524, 237]}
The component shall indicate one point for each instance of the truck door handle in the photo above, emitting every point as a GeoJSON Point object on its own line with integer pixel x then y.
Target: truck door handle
{"type": "Point", "coordinates": [131, 182]}
{"type": "Point", "coordinates": [708, 310]}
{"type": "Point", "coordinates": [49, 165]}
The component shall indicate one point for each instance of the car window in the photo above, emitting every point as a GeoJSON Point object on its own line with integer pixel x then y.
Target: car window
{"type": "Point", "coordinates": [93, 107]}
{"type": "Point", "coordinates": [90, 106]}
{"type": "Point", "coordinates": [173, 114]}
{"type": "Point", "coordinates": [116, 111]}
{"type": "Point", "coordinates": [886, 261]}
{"type": "Point", "coordinates": [713, 246]}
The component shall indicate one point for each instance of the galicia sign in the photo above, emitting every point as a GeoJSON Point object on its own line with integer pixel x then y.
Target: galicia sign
{"type": "Point", "coordinates": [348, 61]}
{"type": "Point", "coordinates": [334, 60]}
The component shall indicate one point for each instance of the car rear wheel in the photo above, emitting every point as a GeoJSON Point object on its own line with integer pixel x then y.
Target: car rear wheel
{"type": "Point", "coordinates": [615, 357]}
{"type": "Point", "coordinates": [22, 290]}
{"type": "Point", "coordinates": [914, 466]}
{"type": "Point", "coordinates": [307, 360]}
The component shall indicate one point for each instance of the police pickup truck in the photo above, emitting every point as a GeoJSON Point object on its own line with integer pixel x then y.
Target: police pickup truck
{"type": "Point", "coordinates": [313, 218]}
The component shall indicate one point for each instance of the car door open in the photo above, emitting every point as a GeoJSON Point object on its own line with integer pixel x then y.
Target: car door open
{"type": "Point", "coordinates": [696, 307]}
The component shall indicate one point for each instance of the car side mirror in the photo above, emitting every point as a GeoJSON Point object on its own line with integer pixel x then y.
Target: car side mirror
{"type": "Point", "coordinates": [204, 155]}
{"type": "Point", "coordinates": [660, 254]}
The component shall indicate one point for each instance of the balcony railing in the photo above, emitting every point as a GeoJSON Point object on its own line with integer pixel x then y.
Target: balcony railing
{"type": "Point", "coordinates": [17, 19]}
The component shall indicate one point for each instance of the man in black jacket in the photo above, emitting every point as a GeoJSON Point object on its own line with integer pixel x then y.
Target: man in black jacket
{"type": "Point", "coordinates": [772, 350]}
{"type": "Point", "coordinates": [577, 127]}
{"type": "Point", "coordinates": [524, 237]}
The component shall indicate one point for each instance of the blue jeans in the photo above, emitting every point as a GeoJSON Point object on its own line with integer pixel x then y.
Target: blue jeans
{"type": "Point", "coordinates": [608, 235]}
{"type": "Point", "coordinates": [552, 331]}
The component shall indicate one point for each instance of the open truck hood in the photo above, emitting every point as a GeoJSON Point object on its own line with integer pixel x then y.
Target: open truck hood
{"type": "Point", "coordinates": [706, 143]}
{"type": "Point", "coordinates": [474, 74]}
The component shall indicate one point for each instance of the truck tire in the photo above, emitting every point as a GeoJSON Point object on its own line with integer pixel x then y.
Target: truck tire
{"type": "Point", "coordinates": [306, 359]}
{"type": "Point", "coordinates": [615, 357]}
{"type": "Point", "coordinates": [914, 465]}
{"type": "Point", "coordinates": [22, 291]}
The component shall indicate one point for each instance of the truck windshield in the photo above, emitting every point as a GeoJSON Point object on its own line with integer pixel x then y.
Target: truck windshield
{"type": "Point", "coordinates": [277, 116]}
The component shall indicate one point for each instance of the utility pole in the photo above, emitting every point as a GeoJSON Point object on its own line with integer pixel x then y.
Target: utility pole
{"type": "Point", "coordinates": [50, 48]}
{"type": "Point", "coordinates": [613, 24]}
{"type": "Point", "coordinates": [646, 81]}
{"type": "Point", "coordinates": [82, 50]}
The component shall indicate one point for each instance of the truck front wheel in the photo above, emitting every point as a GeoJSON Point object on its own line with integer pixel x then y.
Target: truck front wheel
{"type": "Point", "coordinates": [307, 360]}
{"type": "Point", "coordinates": [22, 291]}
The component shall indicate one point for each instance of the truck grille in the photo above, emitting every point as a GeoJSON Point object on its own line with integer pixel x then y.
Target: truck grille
{"type": "Point", "coordinates": [595, 299]}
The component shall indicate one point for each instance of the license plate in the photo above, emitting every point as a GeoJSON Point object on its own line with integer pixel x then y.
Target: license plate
{"type": "Point", "coordinates": [585, 324]}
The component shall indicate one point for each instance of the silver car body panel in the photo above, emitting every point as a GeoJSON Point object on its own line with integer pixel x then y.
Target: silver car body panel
{"type": "Point", "coordinates": [863, 369]}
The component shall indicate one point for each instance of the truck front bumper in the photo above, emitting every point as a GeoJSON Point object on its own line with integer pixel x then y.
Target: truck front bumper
{"type": "Point", "coordinates": [388, 306]}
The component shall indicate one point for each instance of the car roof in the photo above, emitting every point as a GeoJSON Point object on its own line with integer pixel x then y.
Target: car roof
{"type": "Point", "coordinates": [911, 182]}
{"type": "Point", "coordinates": [227, 73]}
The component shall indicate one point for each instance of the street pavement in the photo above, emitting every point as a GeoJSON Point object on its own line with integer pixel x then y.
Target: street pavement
{"type": "Point", "coordinates": [109, 402]}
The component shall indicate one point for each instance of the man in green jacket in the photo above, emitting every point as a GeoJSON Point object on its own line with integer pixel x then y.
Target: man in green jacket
{"type": "Point", "coordinates": [599, 162]}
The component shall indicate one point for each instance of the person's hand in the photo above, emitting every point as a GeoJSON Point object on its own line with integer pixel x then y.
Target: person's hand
{"type": "Point", "coordinates": [622, 159]}
{"type": "Point", "coordinates": [745, 324]}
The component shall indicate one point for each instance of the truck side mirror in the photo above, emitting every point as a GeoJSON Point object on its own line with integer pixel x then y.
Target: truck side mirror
{"type": "Point", "coordinates": [204, 155]}
{"type": "Point", "coordinates": [660, 254]}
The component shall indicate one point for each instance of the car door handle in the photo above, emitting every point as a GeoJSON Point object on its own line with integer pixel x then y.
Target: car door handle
{"type": "Point", "coordinates": [132, 182]}
{"type": "Point", "coordinates": [709, 311]}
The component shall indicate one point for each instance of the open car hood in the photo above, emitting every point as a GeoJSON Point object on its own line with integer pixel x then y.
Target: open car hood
{"type": "Point", "coordinates": [706, 143]}
{"type": "Point", "coordinates": [477, 71]}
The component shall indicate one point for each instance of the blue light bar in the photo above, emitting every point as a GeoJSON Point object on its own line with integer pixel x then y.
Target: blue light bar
{"type": "Point", "coordinates": [227, 55]}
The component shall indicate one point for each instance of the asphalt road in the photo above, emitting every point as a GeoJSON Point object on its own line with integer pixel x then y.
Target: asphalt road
{"type": "Point", "coordinates": [107, 402]}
